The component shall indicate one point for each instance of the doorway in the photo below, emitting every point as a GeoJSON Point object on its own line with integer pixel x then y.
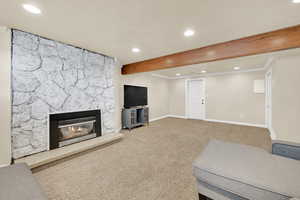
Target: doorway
{"type": "Point", "coordinates": [195, 99]}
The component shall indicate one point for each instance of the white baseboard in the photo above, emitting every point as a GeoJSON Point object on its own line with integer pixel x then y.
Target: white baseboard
{"type": "Point", "coordinates": [166, 116]}
{"type": "Point", "coordinates": [177, 116]}
{"type": "Point", "coordinates": [237, 123]}
{"type": "Point", "coordinates": [3, 166]}
{"type": "Point", "coordinates": [272, 133]}
{"type": "Point", "coordinates": [158, 118]}
{"type": "Point", "coordinates": [214, 120]}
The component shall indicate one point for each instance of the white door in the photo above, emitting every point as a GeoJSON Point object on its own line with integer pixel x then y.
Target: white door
{"type": "Point", "coordinates": [269, 99]}
{"type": "Point", "coordinates": [196, 99]}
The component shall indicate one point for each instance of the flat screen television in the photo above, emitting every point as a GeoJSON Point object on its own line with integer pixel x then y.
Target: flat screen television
{"type": "Point", "coordinates": [135, 96]}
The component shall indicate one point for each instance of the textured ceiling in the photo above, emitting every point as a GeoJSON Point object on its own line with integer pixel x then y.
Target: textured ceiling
{"type": "Point", "coordinates": [113, 27]}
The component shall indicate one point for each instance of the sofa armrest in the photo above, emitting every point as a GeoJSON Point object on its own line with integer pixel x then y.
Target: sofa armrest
{"type": "Point", "coordinates": [17, 182]}
{"type": "Point", "coordinates": [286, 149]}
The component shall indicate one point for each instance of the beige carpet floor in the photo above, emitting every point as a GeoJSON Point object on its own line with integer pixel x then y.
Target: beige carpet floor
{"type": "Point", "coordinates": [150, 163]}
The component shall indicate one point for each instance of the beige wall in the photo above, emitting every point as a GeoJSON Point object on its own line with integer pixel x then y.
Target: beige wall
{"type": "Point", "coordinates": [5, 102]}
{"type": "Point", "coordinates": [286, 98]}
{"type": "Point", "coordinates": [158, 99]}
{"type": "Point", "coordinates": [229, 98]}
{"type": "Point", "coordinates": [177, 97]}
{"type": "Point", "coordinates": [118, 91]}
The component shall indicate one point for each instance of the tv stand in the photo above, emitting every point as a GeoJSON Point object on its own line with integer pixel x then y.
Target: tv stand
{"type": "Point", "coordinates": [134, 117]}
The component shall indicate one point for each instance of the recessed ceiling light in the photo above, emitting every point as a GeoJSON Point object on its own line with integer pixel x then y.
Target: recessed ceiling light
{"type": "Point", "coordinates": [296, 1]}
{"type": "Point", "coordinates": [178, 74]}
{"type": "Point", "coordinates": [203, 71]}
{"type": "Point", "coordinates": [135, 50]}
{"type": "Point", "coordinates": [189, 33]}
{"type": "Point", "coordinates": [32, 9]}
{"type": "Point", "coordinates": [236, 68]}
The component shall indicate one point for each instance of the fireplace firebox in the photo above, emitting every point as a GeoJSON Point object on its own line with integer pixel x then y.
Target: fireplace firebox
{"type": "Point", "coordinates": [70, 128]}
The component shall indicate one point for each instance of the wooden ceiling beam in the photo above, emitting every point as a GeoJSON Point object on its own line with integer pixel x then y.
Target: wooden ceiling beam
{"type": "Point", "coordinates": [282, 39]}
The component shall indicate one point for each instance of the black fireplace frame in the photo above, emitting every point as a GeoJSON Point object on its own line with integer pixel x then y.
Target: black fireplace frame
{"type": "Point", "coordinates": [55, 118]}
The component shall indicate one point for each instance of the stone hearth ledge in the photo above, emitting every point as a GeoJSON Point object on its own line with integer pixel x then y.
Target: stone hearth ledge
{"type": "Point", "coordinates": [43, 158]}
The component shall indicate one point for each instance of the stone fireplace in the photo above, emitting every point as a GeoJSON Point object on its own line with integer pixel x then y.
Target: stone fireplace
{"type": "Point", "coordinates": [70, 128]}
{"type": "Point", "coordinates": [52, 77]}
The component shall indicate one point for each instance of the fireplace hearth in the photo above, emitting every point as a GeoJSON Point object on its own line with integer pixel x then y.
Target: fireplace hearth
{"type": "Point", "coordinates": [69, 128]}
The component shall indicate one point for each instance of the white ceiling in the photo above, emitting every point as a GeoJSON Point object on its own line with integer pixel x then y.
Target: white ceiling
{"type": "Point", "coordinates": [249, 63]}
{"type": "Point", "coordinates": [113, 27]}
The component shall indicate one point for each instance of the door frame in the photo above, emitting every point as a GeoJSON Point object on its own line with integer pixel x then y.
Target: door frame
{"type": "Point", "coordinates": [187, 81]}
{"type": "Point", "coordinates": [268, 99]}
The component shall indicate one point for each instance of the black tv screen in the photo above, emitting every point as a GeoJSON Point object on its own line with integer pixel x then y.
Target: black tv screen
{"type": "Point", "coordinates": [135, 96]}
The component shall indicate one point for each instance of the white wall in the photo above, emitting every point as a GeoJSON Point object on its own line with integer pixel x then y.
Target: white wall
{"type": "Point", "coordinates": [177, 97]}
{"type": "Point", "coordinates": [286, 98]}
{"type": "Point", "coordinates": [118, 94]}
{"type": "Point", "coordinates": [5, 96]}
{"type": "Point", "coordinates": [230, 97]}
{"type": "Point", "coordinates": [158, 95]}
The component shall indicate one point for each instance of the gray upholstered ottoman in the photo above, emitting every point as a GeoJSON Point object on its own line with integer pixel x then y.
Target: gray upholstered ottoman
{"type": "Point", "coordinates": [286, 149]}
{"type": "Point", "coordinates": [18, 183]}
{"type": "Point", "coordinates": [234, 171]}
